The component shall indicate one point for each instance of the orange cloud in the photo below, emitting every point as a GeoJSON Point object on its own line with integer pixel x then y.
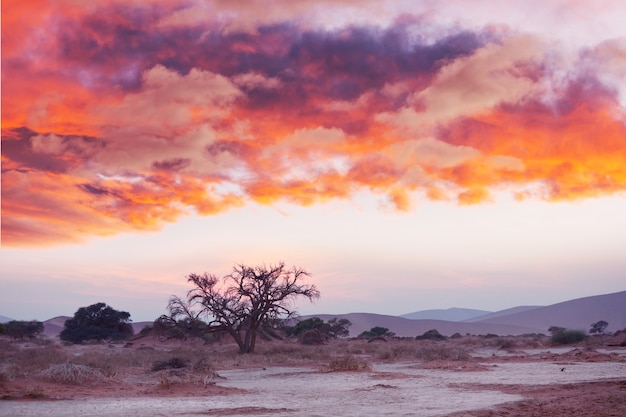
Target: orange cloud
{"type": "Point", "coordinates": [579, 153]}
{"type": "Point", "coordinates": [128, 115]}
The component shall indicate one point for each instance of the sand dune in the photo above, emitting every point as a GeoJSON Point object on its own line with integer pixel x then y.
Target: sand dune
{"type": "Point", "coordinates": [450, 314]}
{"type": "Point", "coordinates": [52, 327]}
{"type": "Point", "coordinates": [506, 312]}
{"type": "Point", "coordinates": [5, 319]}
{"type": "Point", "coordinates": [574, 314]}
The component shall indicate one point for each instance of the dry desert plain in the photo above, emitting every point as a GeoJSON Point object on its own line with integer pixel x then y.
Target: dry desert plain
{"type": "Point", "coordinates": [466, 376]}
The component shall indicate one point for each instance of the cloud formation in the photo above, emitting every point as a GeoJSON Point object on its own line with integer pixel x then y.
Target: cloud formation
{"type": "Point", "coordinates": [128, 115]}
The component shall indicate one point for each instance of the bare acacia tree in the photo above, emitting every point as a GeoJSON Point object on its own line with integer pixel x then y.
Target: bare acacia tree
{"type": "Point", "coordinates": [249, 297]}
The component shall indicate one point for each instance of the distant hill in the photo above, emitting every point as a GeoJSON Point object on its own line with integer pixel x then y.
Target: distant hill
{"type": "Point", "coordinates": [574, 314]}
{"type": "Point", "coordinates": [501, 313]}
{"type": "Point", "coordinates": [5, 319]}
{"type": "Point", "coordinates": [52, 327]}
{"type": "Point", "coordinates": [137, 327]}
{"type": "Point", "coordinates": [450, 314]}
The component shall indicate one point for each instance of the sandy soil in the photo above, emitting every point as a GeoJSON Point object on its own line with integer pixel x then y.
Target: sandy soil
{"type": "Point", "coordinates": [532, 381]}
{"type": "Point", "coordinates": [598, 399]}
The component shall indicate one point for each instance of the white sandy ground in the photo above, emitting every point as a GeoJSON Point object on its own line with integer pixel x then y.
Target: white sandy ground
{"type": "Point", "coordinates": [398, 389]}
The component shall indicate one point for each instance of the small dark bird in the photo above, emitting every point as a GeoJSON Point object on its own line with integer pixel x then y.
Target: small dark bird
{"type": "Point", "coordinates": [562, 369]}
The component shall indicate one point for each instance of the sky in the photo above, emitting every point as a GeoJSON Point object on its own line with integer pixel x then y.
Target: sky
{"type": "Point", "coordinates": [410, 155]}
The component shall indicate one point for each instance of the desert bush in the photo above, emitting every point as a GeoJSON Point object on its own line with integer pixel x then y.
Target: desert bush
{"type": "Point", "coordinates": [437, 352]}
{"type": "Point", "coordinates": [165, 381]}
{"type": "Point", "coordinates": [172, 363]}
{"type": "Point", "coordinates": [505, 344]}
{"type": "Point", "coordinates": [71, 373]}
{"type": "Point", "coordinates": [567, 337]}
{"type": "Point", "coordinates": [431, 335]}
{"type": "Point", "coordinates": [36, 393]}
{"type": "Point", "coordinates": [376, 331]}
{"type": "Point", "coordinates": [23, 329]}
{"type": "Point", "coordinates": [347, 363]}
{"type": "Point", "coordinates": [396, 349]}
{"type": "Point", "coordinates": [203, 365]}
{"type": "Point", "coordinates": [311, 337]}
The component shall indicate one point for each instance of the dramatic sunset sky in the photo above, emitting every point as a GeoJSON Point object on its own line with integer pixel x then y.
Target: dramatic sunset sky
{"type": "Point", "coordinates": [409, 154]}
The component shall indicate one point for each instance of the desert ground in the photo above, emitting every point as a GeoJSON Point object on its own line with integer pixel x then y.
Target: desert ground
{"type": "Point", "coordinates": [465, 376]}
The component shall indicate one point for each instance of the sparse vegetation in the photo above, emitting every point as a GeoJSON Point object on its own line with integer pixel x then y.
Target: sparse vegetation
{"type": "Point", "coordinates": [173, 363]}
{"type": "Point", "coordinates": [171, 366]}
{"type": "Point", "coordinates": [432, 352]}
{"type": "Point", "coordinates": [346, 364]}
{"type": "Point", "coordinates": [36, 393]}
{"type": "Point", "coordinates": [71, 373]}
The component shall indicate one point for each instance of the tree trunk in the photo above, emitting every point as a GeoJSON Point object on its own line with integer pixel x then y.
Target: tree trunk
{"type": "Point", "coordinates": [237, 337]}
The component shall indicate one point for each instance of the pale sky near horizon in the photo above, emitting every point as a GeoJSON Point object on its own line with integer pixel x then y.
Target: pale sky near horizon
{"type": "Point", "coordinates": [410, 155]}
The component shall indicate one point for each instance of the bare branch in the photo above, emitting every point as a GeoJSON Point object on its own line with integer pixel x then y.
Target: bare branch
{"type": "Point", "coordinates": [251, 296]}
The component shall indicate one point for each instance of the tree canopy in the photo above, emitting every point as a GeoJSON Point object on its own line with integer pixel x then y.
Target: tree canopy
{"type": "Point", "coordinates": [599, 327]}
{"type": "Point", "coordinates": [19, 329]}
{"type": "Point", "coordinates": [97, 322]}
{"type": "Point", "coordinates": [376, 331]}
{"type": "Point", "coordinates": [332, 328]}
{"type": "Point", "coordinates": [247, 298]}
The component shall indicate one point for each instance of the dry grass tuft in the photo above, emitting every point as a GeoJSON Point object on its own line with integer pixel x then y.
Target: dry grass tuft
{"type": "Point", "coordinates": [16, 361]}
{"type": "Point", "coordinates": [36, 393]}
{"type": "Point", "coordinates": [437, 352]}
{"type": "Point", "coordinates": [70, 373]}
{"type": "Point", "coordinates": [347, 363]}
{"type": "Point", "coordinates": [165, 381]}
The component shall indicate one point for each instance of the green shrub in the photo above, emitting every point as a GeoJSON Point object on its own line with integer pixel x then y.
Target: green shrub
{"type": "Point", "coordinates": [567, 337]}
